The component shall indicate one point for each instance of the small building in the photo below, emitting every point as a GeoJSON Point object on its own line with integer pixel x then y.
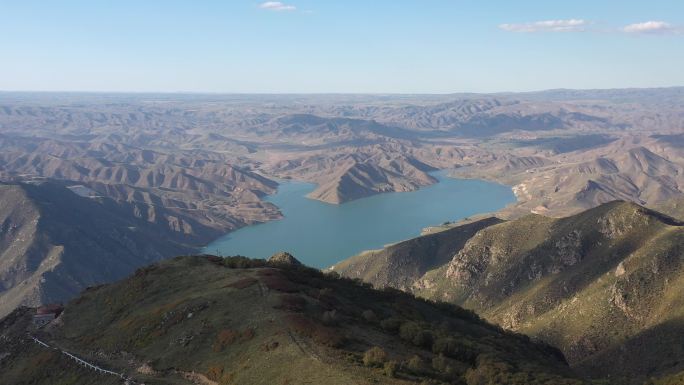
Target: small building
{"type": "Point", "coordinates": [45, 314]}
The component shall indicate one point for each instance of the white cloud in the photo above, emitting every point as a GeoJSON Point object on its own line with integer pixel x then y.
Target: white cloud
{"type": "Point", "coordinates": [650, 27]}
{"type": "Point", "coordinates": [568, 25]}
{"type": "Point", "coordinates": [277, 6]}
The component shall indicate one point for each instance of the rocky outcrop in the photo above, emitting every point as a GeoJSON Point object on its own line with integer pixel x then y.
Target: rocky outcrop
{"type": "Point", "coordinates": [283, 258]}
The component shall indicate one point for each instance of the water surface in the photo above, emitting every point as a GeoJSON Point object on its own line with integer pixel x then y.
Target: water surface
{"type": "Point", "coordinates": [321, 234]}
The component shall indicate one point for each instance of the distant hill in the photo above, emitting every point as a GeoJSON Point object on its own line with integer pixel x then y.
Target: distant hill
{"type": "Point", "coordinates": [208, 320]}
{"type": "Point", "coordinates": [605, 286]}
{"type": "Point", "coordinates": [54, 243]}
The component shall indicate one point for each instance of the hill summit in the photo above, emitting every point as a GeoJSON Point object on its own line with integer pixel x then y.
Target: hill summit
{"type": "Point", "coordinates": [283, 258]}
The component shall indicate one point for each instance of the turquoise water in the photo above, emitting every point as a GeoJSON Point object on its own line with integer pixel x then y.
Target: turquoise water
{"type": "Point", "coordinates": [321, 234]}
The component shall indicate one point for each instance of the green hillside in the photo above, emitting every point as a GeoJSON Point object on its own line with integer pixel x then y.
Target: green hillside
{"type": "Point", "coordinates": [210, 320]}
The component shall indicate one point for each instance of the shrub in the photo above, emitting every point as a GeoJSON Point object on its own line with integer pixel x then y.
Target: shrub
{"type": "Point", "coordinates": [416, 365]}
{"type": "Point", "coordinates": [412, 332]}
{"type": "Point", "coordinates": [330, 317]}
{"type": "Point", "coordinates": [247, 334]}
{"type": "Point", "coordinates": [374, 356]}
{"type": "Point", "coordinates": [239, 262]}
{"type": "Point", "coordinates": [218, 375]}
{"type": "Point", "coordinates": [214, 372]}
{"type": "Point", "coordinates": [224, 338]}
{"type": "Point", "coordinates": [332, 274]}
{"type": "Point", "coordinates": [369, 316]}
{"type": "Point", "coordinates": [390, 368]}
{"type": "Point", "coordinates": [446, 368]}
{"type": "Point", "coordinates": [409, 330]}
{"type": "Point", "coordinates": [439, 363]}
{"type": "Point", "coordinates": [423, 338]}
{"type": "Point", "coordinates": [452, 347]}
{"type": "Point", "coordinates": [319, 333]}
{"type": "Point", "coordinates": [391, 324]}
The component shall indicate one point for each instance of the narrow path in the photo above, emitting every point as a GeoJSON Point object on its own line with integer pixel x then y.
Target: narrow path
{"type": "Point", "coordinates": [84, 363]}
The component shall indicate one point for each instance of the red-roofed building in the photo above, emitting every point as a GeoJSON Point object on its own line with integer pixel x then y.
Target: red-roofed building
{"type": "Point", "coordinates": [46, 313]}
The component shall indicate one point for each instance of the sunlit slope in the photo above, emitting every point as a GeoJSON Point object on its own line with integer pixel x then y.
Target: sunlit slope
{"type": "Point", "coordinates": [605, 285]}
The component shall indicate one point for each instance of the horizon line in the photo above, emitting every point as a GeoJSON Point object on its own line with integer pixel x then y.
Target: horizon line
{"type": "Point", "coordinates": [219, 93]}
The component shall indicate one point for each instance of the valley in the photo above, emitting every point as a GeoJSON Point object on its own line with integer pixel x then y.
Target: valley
{"type": "Point", "coordinates": [194, 168]}
{"type": "Point", "coordinates": [322, 234]}
{"type": "Point", "coordinates": [349, 192]}
{"type": "Point", "coordinates": [554, 214]}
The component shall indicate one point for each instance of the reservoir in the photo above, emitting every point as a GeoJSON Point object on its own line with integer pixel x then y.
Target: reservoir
{"type": "Point", "coordinates": [321, 234]}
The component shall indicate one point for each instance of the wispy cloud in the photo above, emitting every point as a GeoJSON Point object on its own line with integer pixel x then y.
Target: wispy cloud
{"type": "Point", "coordinates": [567, 25]}
{"type": "Point", "coordinates": [277, 6]}
{"type": "Point", "coordinates": [651, 27]}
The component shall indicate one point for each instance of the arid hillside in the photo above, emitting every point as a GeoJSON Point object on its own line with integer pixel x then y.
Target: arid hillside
{"type": "Point", "coordinates": [55, 243]}
{"type": "Point", "coordinates": [604, 285]}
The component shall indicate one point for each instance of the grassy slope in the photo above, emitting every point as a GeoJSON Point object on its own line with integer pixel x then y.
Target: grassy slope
{"type": "Point", "coordinates": [260, 324]}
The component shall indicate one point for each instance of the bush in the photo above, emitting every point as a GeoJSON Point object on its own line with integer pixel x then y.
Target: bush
{"type": "Point", "coordinates": [319, 333]}
{"type": "Point", "coordinates": [409, 330]}
{"type": "Point", "coordinates": [415, 334]}
{"type": "Point", "coordinates": [423, 338]}
{"type": "Point", "coordinates": [374, 356]}
{"type": "Point", "coordinates": [238, 262]}
{"type": "Point", "coordinates": [369, 316]}
{"type": "Point", "coordinates": [330, 318]}
{"type": "Point", "coordinates": [391, 324]}
{"type": "Point", "coordinates": [416, 365]}
{"type": "Point", "coordinates": [391, 368]}
{"type": "Point", "coordinates": [451, 347]}
{"type": "Point", "coordinates": [446, 368]}
{"type": "Point", "coordinates": [332, 274]}
{"type": "Point", "coordinates": [439, 363]}
{"type": "Point", "coordinates": [224, 338]}
{"type": "Point", "coordinates": [214, 372]}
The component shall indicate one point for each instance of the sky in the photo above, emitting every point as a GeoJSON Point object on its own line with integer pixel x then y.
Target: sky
{"type": "Point", "coordinates": [339, 46]}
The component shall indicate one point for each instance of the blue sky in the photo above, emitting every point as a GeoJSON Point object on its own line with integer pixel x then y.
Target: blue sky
{"type": "Point", "coordinates": [409, 46]}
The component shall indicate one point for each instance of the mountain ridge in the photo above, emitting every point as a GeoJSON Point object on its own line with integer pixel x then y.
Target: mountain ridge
{"type": "Point", "coordinates": [593, 284]}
